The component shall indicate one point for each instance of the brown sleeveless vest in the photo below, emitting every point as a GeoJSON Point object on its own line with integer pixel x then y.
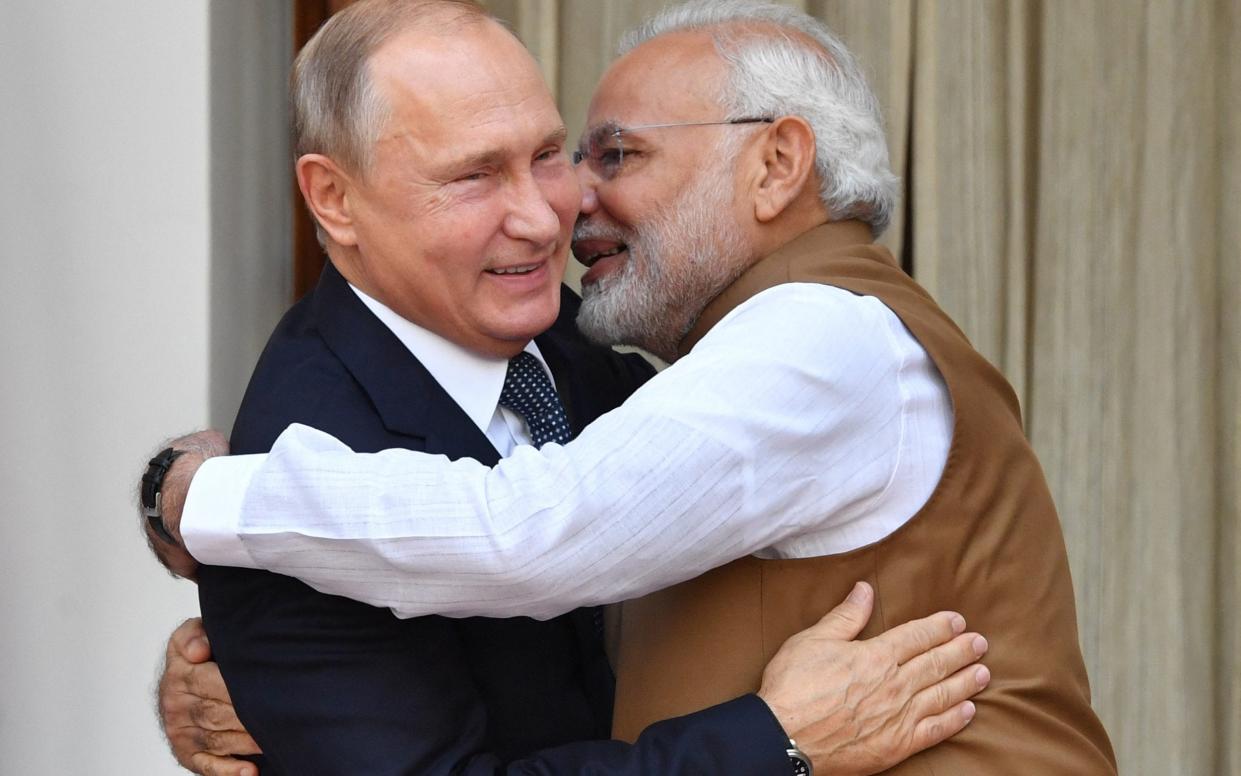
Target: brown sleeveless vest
{"type": "Point", "coordinates": [987, 544]}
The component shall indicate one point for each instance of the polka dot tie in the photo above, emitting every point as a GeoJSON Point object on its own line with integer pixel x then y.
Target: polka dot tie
{"type": "Point", "coordinates": [528, 392]}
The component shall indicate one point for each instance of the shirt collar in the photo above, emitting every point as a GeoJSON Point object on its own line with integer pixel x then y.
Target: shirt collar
{"type": "Point", "coordinates": [773, 269]}
{"type": "Point", "coordinates": [473, 381]}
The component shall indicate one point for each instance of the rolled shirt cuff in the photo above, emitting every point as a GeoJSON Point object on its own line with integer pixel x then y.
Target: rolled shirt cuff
{"type": "Point", "coordinates": [211, 519]}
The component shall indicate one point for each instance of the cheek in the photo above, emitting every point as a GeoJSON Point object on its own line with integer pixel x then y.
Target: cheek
{"type": "Point", "coordinates": [468, 229]}
{"type": "Point", "coordinates": [563, 193]}
{"type": "Point", "coordinates": [616, 203]}
{"type": "Point", "coordinates": [628, 201]}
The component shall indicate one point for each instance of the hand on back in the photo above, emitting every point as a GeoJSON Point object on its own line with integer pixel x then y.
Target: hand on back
{"type": "Point", "coordinates": [195, 709]}
{"type": "Point", "coordinates": [860, 707]}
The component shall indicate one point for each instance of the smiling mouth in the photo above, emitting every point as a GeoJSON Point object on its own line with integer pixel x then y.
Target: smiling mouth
{"type": "Point", "coordinates": [589, 254]}
{"type": "Point", "coordinates": [521, 270]}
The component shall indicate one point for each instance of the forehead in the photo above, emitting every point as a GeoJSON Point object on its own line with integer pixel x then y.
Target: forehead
{"type": "Point", "coordinates": [674, 77]}
{"type": "Point", "coordinates": [456, 91]}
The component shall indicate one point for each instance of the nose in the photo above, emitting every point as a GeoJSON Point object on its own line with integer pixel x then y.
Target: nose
{"type": "Point", "coordinates": [590, 196]}
{"type": "Point", "coordinates": [531, 216]}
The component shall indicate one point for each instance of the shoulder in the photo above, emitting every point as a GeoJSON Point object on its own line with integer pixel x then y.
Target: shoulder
{"type": "Point", "coordinates": [298, 379]}
{"type": "Point", "coordinates": [813, 320]}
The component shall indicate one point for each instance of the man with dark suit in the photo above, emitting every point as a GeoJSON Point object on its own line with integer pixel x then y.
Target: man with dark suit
{"type": "Point", "coordinates": [432, 158]}
{"type": "Point", "coordinates": [428, 694]}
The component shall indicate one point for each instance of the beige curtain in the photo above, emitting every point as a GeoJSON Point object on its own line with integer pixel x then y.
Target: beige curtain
{"type": "Point", "coordinates": [1073, 187]}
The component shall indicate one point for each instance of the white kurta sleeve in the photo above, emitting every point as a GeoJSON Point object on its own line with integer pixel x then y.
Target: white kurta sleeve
{"type": "Point", "coordinates": [213, 508]}
{"type": "Point", "coordinates": [786, 419]}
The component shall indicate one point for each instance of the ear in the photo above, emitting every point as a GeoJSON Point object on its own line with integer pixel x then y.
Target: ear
{"type": "Point", "coordinates": [788, 167]}
{"type": "Point", "coordinates": [326, 189]}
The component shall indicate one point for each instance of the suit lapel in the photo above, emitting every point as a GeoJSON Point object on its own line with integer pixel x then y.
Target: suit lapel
{"type": "Point", "coordinates": [411, 403]}
{"type": "Point", "coordinates": [562, 351]}
{"type": "Point", "coordinates": [567, 357]}
{"type": "Point", "coordinates": [552, 347]}
{"type": "Point", "coordinates": [406, 397]}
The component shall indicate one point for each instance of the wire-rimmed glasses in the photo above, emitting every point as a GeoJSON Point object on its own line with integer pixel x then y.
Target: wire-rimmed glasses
{"type": "Point", "coordinates": [603, 149]}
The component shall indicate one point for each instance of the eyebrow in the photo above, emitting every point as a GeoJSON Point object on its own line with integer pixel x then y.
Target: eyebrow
{"type": "Point", "coordinates": [496, 156]}
{"type": "Point", "coordinates": [606, 128]}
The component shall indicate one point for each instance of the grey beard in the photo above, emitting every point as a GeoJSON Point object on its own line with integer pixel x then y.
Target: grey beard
{"type": "Point", "coordinates": [678, 262]}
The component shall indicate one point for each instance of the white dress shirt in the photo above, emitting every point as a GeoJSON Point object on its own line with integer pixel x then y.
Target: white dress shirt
{"type": "Point", "coordinates": [473, 381]}
{"type": "Point", "coordinates": [807, 422]}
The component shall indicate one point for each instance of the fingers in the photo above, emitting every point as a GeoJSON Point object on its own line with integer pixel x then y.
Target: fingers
{"type": "Point", "coordinates": [939, 727]}
{"type": "Point", "coordinates": [192, 722]}
{"type": "Point", "coordinates": [913, 638]}
{"type": "Point", "coordinates": [189, 641]}
{"type": "Point", "coordinates": [197, 747]}
{"type": "Point", "coordinates": [210, 765]}
{"type": "Point", "coordinates": [205, 682]}
{"type": "Point", "coordinates": [196, 711]}
{"type": "Point", "coordinates": [215, 715]}
{"type": "Point", "coordinates": [938, 663]}
{"type": "Point", "coordinates": [850, 616]}
{"type": "Point", "coordinates": [223, 742]}
{"type": "Point", "coordinates": [956, 689]}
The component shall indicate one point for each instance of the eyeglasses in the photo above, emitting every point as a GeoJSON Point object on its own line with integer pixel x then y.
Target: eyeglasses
{"type": "Point", "coordinates": [603, 149]}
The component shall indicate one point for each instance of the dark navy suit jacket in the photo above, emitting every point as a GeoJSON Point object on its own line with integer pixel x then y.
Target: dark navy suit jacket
{"type": "Point", "coordinates": [327, 685]}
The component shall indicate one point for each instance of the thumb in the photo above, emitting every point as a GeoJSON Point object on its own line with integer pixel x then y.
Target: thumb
{"type": "Point", "coordinates": [189, 642]}
{"type": "Point", "coordinates": [198, 650]}
{"type": "Point", "coordinates": [850, 616]}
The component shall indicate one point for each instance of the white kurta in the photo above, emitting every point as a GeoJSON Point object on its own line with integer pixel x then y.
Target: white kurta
{"type": "Point", "coordinates": [807, 422]}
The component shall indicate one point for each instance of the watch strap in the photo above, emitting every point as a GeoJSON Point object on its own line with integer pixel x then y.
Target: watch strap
{"type": "Point", "coordinates": [152, 498]}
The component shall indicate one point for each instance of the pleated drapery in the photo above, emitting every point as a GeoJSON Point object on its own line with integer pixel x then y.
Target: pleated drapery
{"type": "Point", "coordinates": [1072, 196]}
{"type": "Point", "coordinates": [1072, 187]}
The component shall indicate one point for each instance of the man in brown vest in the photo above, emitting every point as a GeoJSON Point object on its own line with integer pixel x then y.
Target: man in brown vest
{"type": "Point", "coordinates": [735, 178]}
{"type": "Point", "coordinates": [986, 537]}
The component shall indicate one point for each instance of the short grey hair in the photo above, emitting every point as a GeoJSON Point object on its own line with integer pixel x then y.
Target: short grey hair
{"type": "Point", "coordinates": [334, 105]}
{"type": "Point", "coordinates": [775, 71]}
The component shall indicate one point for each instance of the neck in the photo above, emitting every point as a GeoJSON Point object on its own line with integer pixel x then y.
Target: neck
{"type": "Point", "coordinates": [818, 239]}
{"type": "Point", "coordinates": [800, 217]}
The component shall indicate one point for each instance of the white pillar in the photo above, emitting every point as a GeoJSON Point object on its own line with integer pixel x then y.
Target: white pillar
{"type": "Point", "coordinates": [110, 319]}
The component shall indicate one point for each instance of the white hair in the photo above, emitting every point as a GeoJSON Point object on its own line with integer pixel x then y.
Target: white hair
{"type": "Point", "coordinates": [680, 258]}
{"type": "Point", "coordinates": [775, 71]}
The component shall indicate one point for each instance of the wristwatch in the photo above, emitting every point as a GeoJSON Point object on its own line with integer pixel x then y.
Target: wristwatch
{"type": "Point", "coordinates": [798, 761]}
{"type": "Point", "coordinates": [152, 498]}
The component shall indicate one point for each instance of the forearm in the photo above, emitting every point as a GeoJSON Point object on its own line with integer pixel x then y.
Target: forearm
{"type": "Point", "coordinates": [737, 738]}
{"type": "Point", "coordinates": [704, 464]}
{"type": "Point", "coordinates": [328, 684]}
{"type": "Point", "coordinates": [541, 534]}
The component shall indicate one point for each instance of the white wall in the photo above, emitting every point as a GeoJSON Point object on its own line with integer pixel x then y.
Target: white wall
{"type": "Point", "coordinates": [251, 189]}
{"type": "Point", "coordinates": [115, 332]}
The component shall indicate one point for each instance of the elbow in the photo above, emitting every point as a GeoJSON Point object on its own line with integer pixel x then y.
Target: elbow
{"type": "Point", "coordinates": [528, 583]}
{"type": "Point", "coordinates": [513, 580]}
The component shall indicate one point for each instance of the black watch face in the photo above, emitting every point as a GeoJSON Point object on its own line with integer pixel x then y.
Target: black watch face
{"type": "Point", "coordinates": [800, 766]}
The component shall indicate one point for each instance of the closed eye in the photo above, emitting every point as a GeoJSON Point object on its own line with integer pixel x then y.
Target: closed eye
{"type": "Point", "coordinates": [610, 158]}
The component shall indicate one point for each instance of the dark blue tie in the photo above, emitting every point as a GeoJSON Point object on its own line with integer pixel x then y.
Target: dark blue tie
{"type": "Point", "coordinates": [528, 392]}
